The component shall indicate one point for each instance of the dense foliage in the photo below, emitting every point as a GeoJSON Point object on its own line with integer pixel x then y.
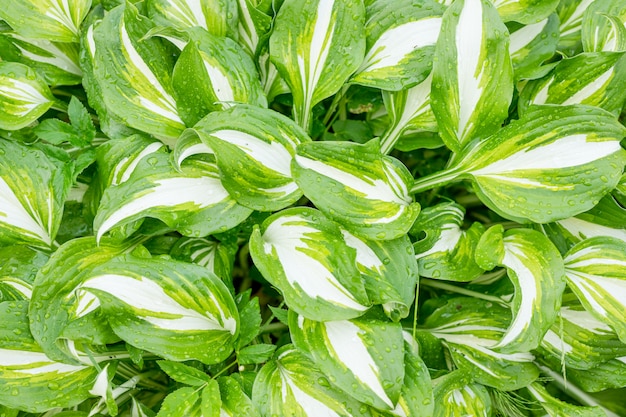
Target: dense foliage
{"type": "Point", "coordinates": [255, 208]}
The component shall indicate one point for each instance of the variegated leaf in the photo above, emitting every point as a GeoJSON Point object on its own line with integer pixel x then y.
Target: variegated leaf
{"type": "Point", "coordinates": [53, 20]}
{"type": "Point", "coordinates": [525, 11]}
{"type": "Point", "coordinates": [571, 16]}
{"type": "Point", "coordinates": [33, 188]}
{"type": "Point", "coordinates": [30, 380]}
{"type": "Point", "coordinates": [253, 26]}
{"type": "Point", "coordinates": [400, 44]}
{"type": "Point", "coordinates": [358, 187]}
{"type": "Point", "coordinates": [59, 309]}
{"type": "Point", "coordinates": [470, 328]}
{"type": "Point", "coordinates": [363, 356]}
{"type": "Point", "coordinates": [597, 79]}
{"type": "Point", "coordinates": [558, 408]}
{"type": "Point", "coordinates": [446, 251]}
{"type": "Point", "coordinates": [456, 395]}
{"type": "Point", "coordinates": [273, 83]}
{"type": "Point", "coordinates": [473, 76]}
{"type": "Point", "coordinates": [56, 62]}
{"type": "Point", "coordinates": [213, 73]}
{"type": "Point", "coordinates": [581, 341]}
{"type": "Point", "coordinates": [188, 145]}
{"type": "Point", "coordinates": [553, 163]}
{"type": "Point", "coordinates": [596, 273]}
{"type": "Point", "coordinates": [304, 255]}
{"type": "Point", "coordinates": [18, 267]}
{"type": "Point", "coordinates": [603, 27]}
{"type": "Point", "coordinates": [291, 385]}
{"type": "Point", "coordinates": [217, 257]}
{"type": "Point", "coordinates": [254, 148]}
{"type": "Point", "coordinates": [133, 76]}
{"type": "Point", "coordinates": [607, 375]}
{"type": "Point", "coordinates": [535, 267]}
{"type": "Point", "coordinates": [24, 96]}
{"type": "Point", "coordinates": [531, 45]}
{"type": "Point", "coordinates": [409, 111]}
{"type": "Point", "coordinates": [316, 46]}
{"type": "Point", "coordinates": [219, 18]}
{"type": "Point", "coordinates": [192, 200]}
{"type": "Point", "coordinates": [389, 270]}
{"type": "Point", "coordinates": [150, 302]}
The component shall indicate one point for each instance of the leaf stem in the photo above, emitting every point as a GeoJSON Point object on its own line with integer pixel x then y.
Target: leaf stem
{"type": "Point", "coordinates": [437, 179]}
{"type": "Point", "coordinates": [391, 136]}
{"type": "Point", "coordinates": [272, 327]}
{"type": "Point", "coordinates": [433, 283]}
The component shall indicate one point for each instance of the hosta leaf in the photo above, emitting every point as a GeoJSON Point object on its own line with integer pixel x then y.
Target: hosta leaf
{"type": "Point", "coordinates": [133, 75]}
{"type": "Point", "coordinates": [525, 11]}
{"type": "Point", "coordinates": [235, 403]}
{"type": "Point", "coordinates": [392, 62]}
{"type": "Point", "coordinates": [304, 255]}
{"type": "Point", "coordinates": [291, 385]}
{"type": "Point", "coordinates": [54, 20]}
{"type": "Point", "coordinates": [363, 356]}
{"type": "Point", "coordinates": [535, 267]}
{"type": "Point", "coordinates": [316, 46]}
{"type": "Point", "coordinates": [254, 148]}
{"type": "Point", "coordinates": [596, 273]}
{"type": "Point", "coordinates": [59, 309]}
{"type": "Point", "coordinates": [456, 395]}
{"type": "Point", "coordinates": [253, 25]}
{"type": "Point", "coordinates": [188, 145]}
{"type": "Point", "coordinates": [571, 15]}
{"type": "Point", "coordinates": [553, 163]}
{"type": "Point", "coordinates": [176, 310]}
{"type": "Point", "coordinates": [389, 270]}
{"type": "Point", "coordinates": [18, 267]}
{"type": "Point", "coordinates": [470, 328]}
{"type": "Point", "coordinates": [558, 408]}
{"type": "Point", "coordinates": [531, 45]}
{"type": "Point", "coordinates": [594, 78]}
{"type": "Point", "coordinates": [357, 186]}
{"type": "Point", "coordinates": [217, 17]}
{"type": "Point", "coordinates": [56, 62]}
{"type": "Point", "coordinates": [446, 251]}
{"type": "Point", "coordinates": [472, 76]}
{"type": "Point", "coordinates": [30, 380]}
{"type": "Point", "coordinates": [581, 341]}
{"type": "Point", "coordinates": [217, 257]}
{"type": "Point", "coordinates": [24, 96]}
{"type": "Point", "coordinates": [213, 73]}
{"type": "Point", "coordinates": [192, 200]}
{"type": "Point", "coordinates": [603, 28]}
{"type": "Point", "coordinates": [609, 374]}
{"type": "Point", "coordinates": [33, 188]}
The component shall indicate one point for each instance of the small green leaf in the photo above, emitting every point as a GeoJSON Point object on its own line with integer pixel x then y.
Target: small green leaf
{"type": "Point", "coordinates": [56, 132]}
{"type": "Point", "coordinates": [81, 121]}
{"type": "Point", "coordinates": [255, 354]}
{"type": "Point", "coordinates": [184, 374]}
{"type": "Point", "coordinates": [250, 315]}
{"type": "Point", "coordinates": [184, 402]}
{"type": "Point", "coordinates": [211, 400]}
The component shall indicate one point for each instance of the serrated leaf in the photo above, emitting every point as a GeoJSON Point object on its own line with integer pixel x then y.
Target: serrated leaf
{"type": "Point", "coordinates": [392, 63]}
{"type": "Point", "coordinates": [531, 45]}
{"type": "Point", "coordinates": [316, 46]}
{"type": "Point", "coordinates": [525, 11]}
{"type": "Point", "coordinates": [581, 341]}
{"type": "Point", "coordinates": [152, 302]}
{"type": "Point", "coordinates": [18, 267]}
{"type": "Point", "coordinates": [291, 385]}
{"type": "Point", "coordinates": [470, 328]}
{"type": "Point", "coordinates": [213, 73]}
{"type": "Point", "coordinates": [81, 121]}
{"type": "Point", "coordinates": [254, 148]}
{"type": "Point", "coordinates": [56, 62]}
{"type": "Point", "coordinates": [304, 255]}
{"type": "Point", "coordinates": [211, 400]}
{"type": "Point", "coordinates": [353, 184]}
{"type": "Point", "coordinates": [33, 188]}
{"type": "Point", "coordinates": [191, 200]}
{"type": "Point", "coordinates": [447, 250]}
{"type": "Point", "coordinates": [184, 374]}
{"type": "Point", "coordinates": [54, 20]}
{"type": "Point", "coordinates": [184, 402]}
{"type": "Point", "coordinates": [235, 403]}
{"type": "Point", "coordinates": [217, 17]}
{"type": "Point", "coordinates": [55, 131]}
{"type": "Point", "coordinates": [472, 75]}
{"type": "Point", "coordinates": [32, 381]}
{"type": "Point", "coordinates": [362, 356]}
{"type": "Point", "coordinates": [250, 315]}
{"type": "Point", "coordinates": [134, 76]}
{"type": "Point", "coordinates": [255, 354]}
{"type": "Point", "coordinates": [558, 408]}
{"type": "Point", "coordinates": [535, 267]}
{"type": "Point", "coordinates": [456, 395]}
{"type": "Point", "coordinates": [593, 78]}
{"type": "Point", "coordinates": [596, 273]}
{"type": "Point", "coordinates": [553, 163]}
{"type": "Point", "coordinates": [24, 96]}
{"type": "Point", "coordinates": [389, 271]}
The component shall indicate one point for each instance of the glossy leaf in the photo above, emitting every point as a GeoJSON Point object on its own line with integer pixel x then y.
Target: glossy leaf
{"type": "Point", "coordinates": [603, 27]}
{"type": "Point", "coordinates": [571, 14]}
{"type": "Point", "coordinates": [184, 374]}
{"type": "Point", "coordinates": [472, 77]}
{"type": "Point", "coordinates": [531, 45]}
{"type": "Point", "coordinates": [217, 17]}
{"type": "Point", "coordinates": [558, 408]}
{"type": "Point", "coordinates": [535, 267]}
{"type": "Point", "coordinates": [316, 46]}
{"type": "Point", "coordinates": [235, 403]}
{"type": "Point", "coordinates": [362, 356]}
{"type": "Point", "coordinates": [304, 255]}
{"type": "Point", "coordinates": [18, 267]}
{"type": "Point", "coordinates": [456, 395]}
{"type": "Point", "coordinates": [151, 302]}
{"type": "Point", "coordinates": [525, 11]}
{"type": "Point", "coordinates": [217, 257]}
{"type": "Point", "coordinates": [353, 184]}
